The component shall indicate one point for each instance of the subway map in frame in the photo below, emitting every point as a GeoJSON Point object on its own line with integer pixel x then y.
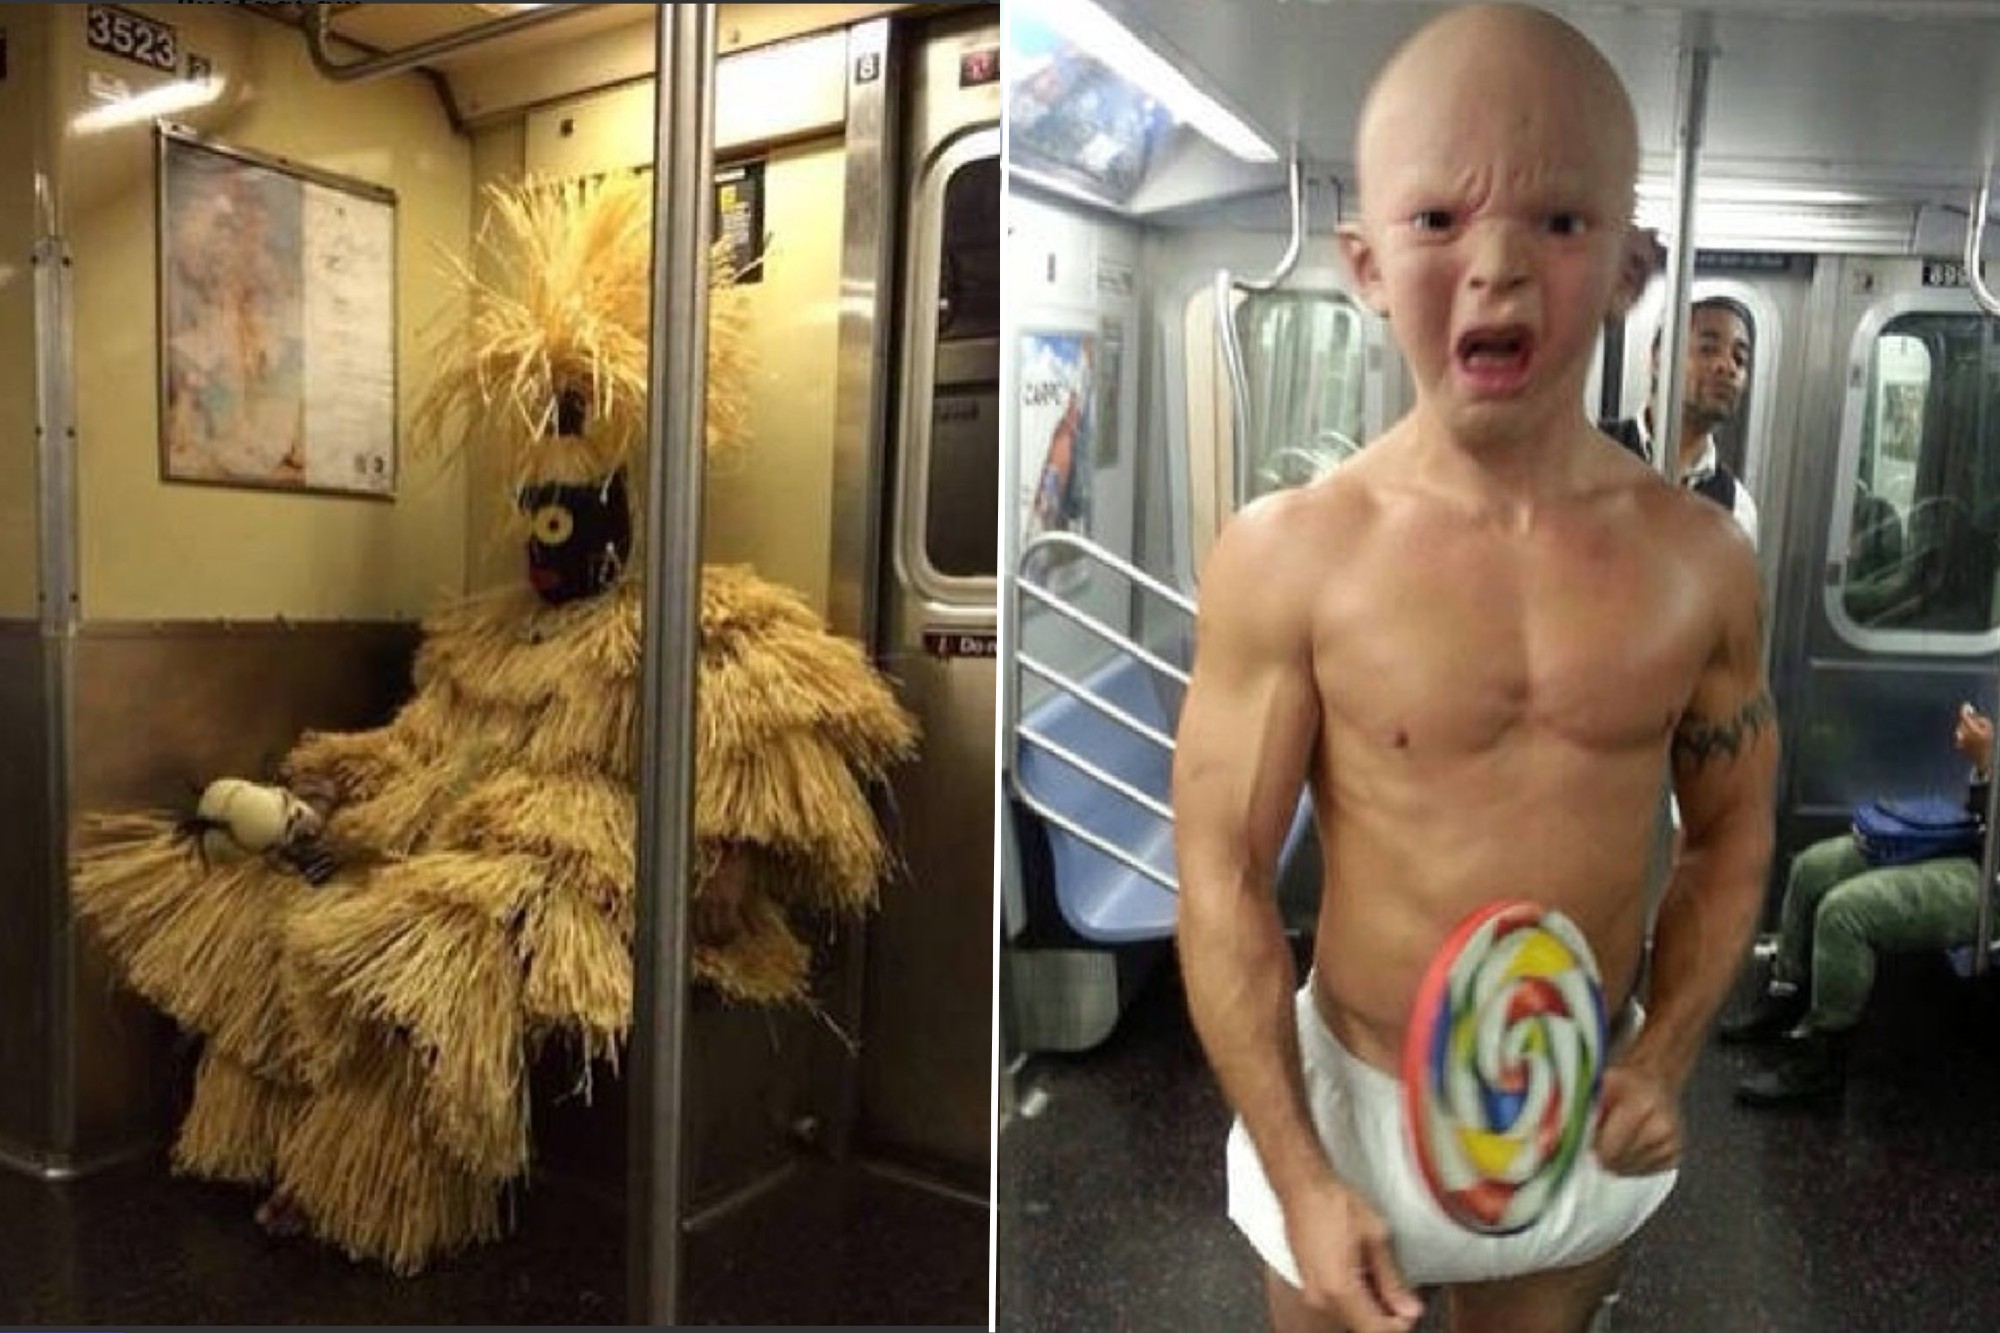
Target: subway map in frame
{"type": "Point", "coordinates": [277, 323]}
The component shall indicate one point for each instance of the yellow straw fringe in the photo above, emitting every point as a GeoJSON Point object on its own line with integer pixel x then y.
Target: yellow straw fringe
{"type": "Point", "coordinates": [367, 1040]}
{"type": "Point", "coordinates": [572, 319]}
{"type": "Point", "coordinates": [367, 1173]}
{"type": "Point", "coordinates": [483, 908]}
{"type": "Point", "coordinates": [235, 1123]}
{"type": "Point", "coordinates": [578, 974]}
{"type": "Point", "coordinates": [588, 820]}
{"type": "Point", "coordinates": [424, 955]}
{"type": "Point", "coordinates": [198, 941]}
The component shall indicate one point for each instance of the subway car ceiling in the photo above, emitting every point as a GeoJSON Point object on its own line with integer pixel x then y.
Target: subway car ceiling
{"type": "Point", "coordinates": [1830, 125]}
{"type": "Point", "coordinates": [490, 61]}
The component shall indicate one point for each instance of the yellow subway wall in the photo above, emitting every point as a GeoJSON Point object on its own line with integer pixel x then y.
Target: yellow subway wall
{"type": "Point", "coordinates": [23, 101]}
{"type": "Point", "coordinates": [150, 549]}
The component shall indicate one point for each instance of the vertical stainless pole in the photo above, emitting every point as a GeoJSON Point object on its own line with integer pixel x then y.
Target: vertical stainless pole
{"type": "Point", "coordinates": [1975, 233]}
{"type": "Point", "coordinates": [1988, 871]}
{"type": "Point", "coordinates": [61, 611]}
{"type": "Point", "coordinates": [683, 165]}
{"type": "Point", "coordinates": [1697, 50]}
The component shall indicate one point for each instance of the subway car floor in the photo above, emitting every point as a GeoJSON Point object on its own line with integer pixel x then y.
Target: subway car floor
{"type": "Point", "coordinates": [1875, 1214]}
{"type": "Point", "coordinates": [832, 1244]}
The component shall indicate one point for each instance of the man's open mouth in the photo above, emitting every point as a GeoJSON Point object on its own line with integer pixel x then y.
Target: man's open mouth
{"type": "Point", "coordinates": [1496, 357]}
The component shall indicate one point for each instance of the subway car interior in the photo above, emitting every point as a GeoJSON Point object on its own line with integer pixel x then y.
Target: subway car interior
{"type": "Point", "coordinates": [1183, 337]}
{"type": "Point", "coordinates": [253, 257]}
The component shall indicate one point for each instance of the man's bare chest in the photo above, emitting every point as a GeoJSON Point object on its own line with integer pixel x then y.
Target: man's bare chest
{"type": "Point", "coordinates": [1443, 659]}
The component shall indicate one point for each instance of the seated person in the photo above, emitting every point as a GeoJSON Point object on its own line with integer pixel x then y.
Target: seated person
{"type": "Point", "coordinates": [1943, 579]}
{"type": "Point", "coordinates": [1877, 543]}
{"type": "Point", "coordinates": [1839, 913]}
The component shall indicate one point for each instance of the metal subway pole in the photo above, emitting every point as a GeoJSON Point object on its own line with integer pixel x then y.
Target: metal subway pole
{"type": "Point", "coordinates": [1989, 863]}
{"type": "Point", "coordinates": [684, 154]}
{"type": "Point", "coordinates": [1697, 52]}
{"type": "Point", "coordinates": [1697, 49]}
{"type": "Point", "coordinates": [1989, 871]}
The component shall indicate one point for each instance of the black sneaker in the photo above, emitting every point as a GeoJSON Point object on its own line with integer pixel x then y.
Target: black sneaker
{"type": "Point", "coordinates": [1769, 1019]}
{"type": "Point", "coordinates": [1811, 1069]}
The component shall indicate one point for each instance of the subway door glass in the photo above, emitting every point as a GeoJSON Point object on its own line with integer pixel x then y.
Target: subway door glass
{"type": "Point", "coordinates": [961, 492]}
{"type": "Point", "coordinates": [1923, 490]}
{"type": "Point", "coordinates": [926, 1071]}
{"type": "Point", "coordinates": [1904, 624]}
{"type": "Point", "coordinates": [1304, 379]}
{"type": "Point", "coordinates": [1303, 361]}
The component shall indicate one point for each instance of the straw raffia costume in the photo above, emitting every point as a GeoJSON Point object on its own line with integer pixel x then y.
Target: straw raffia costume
{"type": "Point", "coordinates": [367, 1038]}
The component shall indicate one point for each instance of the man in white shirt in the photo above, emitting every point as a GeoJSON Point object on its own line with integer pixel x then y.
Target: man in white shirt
{"type": "Point", "coordinates": [1717, 376]}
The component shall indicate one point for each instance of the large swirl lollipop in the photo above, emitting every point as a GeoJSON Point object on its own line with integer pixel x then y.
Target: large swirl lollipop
{"type": "Point", "coordinates": [1502, 1063]}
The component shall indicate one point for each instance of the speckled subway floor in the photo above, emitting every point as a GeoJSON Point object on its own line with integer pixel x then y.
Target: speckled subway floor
{"type": "Point", "coordinates": [1879, 1215]}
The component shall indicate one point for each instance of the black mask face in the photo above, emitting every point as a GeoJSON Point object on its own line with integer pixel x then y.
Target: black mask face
{"type": "Point", "coordinates": [578, 537]}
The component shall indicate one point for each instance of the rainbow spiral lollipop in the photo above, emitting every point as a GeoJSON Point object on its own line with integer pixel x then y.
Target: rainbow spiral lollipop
{"type": "Point", "coordinates": [1502, 1063]}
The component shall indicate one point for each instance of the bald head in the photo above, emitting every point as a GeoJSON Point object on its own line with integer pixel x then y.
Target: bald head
{"type": "Point", "coordinates": [1520, 73]}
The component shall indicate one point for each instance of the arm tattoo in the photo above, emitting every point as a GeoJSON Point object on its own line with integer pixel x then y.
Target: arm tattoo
{"type": "Point", "coordinates": [1697, 740]}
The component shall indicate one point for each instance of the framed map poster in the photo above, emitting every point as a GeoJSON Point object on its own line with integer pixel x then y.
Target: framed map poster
{"type": "Point", "coordinates": [1056, 418]}
{"type": "Point", "coordinates": [277, 323]}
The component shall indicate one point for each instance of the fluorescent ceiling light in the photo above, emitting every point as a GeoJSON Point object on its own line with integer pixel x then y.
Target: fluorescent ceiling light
{"type": "Point", "coordinates": [1881, 228]}
{"type": "Point", "coordinates": [166, 100]}
{"type": "Point", "coordinates": [1103, 37]}
{"type": "Point", "coordinates": [1660, 194]}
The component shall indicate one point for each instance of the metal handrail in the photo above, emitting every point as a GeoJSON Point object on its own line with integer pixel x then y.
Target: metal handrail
{"type": "Point", "coordinates": [318, 29]}
{"type": "Point", "coordinates": [1116, 563]}
{"type": "Point", "coordinates": [1097, 703]}
{"type": "Point", "coordinates": [1295, 182]}
{"type": "Point", "coordinates": [1975, 246]}
{"type": "Point", "coordinates": [1989, 857]}
{"type": "Point", "coordinates": [1025, 734]}
{"type": "Point", "coordinates": [1102, 776]}
{"type": "Point", "coordinates": [1226, 285]}
{"type": "Point", "coordinates": [1116, 638]}
{"type": "Point", "coordinates": [1697, 54]}
{"type": "Point", "coordinates": [1103, 844]}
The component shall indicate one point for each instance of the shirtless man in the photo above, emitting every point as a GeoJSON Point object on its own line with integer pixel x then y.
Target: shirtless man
{"type": "Point", "coordinates": [1483, 643]}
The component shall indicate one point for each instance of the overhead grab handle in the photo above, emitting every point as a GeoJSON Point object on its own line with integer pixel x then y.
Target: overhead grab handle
{"type": "Point", "coordinates": [1975, 246]}
{"type": "Point", "coordinates": [318, 29]}
{"type": "Point", "coordinates": [1296, 182]}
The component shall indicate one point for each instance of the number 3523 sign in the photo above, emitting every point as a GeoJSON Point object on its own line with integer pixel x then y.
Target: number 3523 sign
{"type": "Point", "coordinates": [133, 37]}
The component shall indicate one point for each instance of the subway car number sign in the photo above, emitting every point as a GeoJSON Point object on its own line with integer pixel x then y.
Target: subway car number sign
{"type": "Point", "coordinates": [132, 37]}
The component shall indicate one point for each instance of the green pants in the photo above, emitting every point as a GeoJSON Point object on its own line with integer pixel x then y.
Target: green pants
{"type": "Point", "coordinates": [1839, 913]}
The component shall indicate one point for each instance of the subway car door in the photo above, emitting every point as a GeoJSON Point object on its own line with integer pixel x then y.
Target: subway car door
{"type": "Point", "coordinates": [777, 1131]}
{"type": "Point", "coordinates": [926, 1064]}
{"type": "Point", "coordinates": [1771, 290]}
{"type": "Point", "coordinates": [1889, 607]}
{"type": "Point", "coordinates": [872, 1114]}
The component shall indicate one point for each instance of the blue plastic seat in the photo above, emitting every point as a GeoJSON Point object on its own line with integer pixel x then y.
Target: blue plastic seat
{"type": "Point", "coordinates": [1102, 899]}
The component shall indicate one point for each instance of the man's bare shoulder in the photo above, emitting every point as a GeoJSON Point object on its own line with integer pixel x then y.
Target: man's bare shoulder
{"type": "Point", "coordinates": [1694, 524]}
{"type": "Point", "coordinates": [1294, 530]}
{"type": "Point", "coordinates": [1692, 534]}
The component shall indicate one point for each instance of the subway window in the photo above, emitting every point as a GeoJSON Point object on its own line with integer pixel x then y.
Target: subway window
{"type": "Point", "coordinates": [962, 492]}
{"type": "Point", "coordinates": [1303, 358]}
{"type": "Point", "coordinates": [1924, 524]}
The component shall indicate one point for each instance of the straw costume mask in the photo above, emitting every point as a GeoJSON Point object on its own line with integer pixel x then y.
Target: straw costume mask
{"type": "Point", "coordinates": [579, 537]}
{"type": "Point", "coordinates": [365, 1042]}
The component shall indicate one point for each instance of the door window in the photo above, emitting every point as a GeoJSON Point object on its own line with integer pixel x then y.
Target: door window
{"type": "Point", "coordinates": [1303, 356]}
{"type": "Point", "coordinates": [1923, 491]}
{"type": "Point", "coordinates": [957, 486]}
